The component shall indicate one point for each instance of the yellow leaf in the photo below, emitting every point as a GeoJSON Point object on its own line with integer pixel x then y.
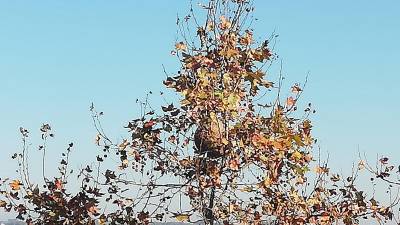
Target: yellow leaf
{"type": "Point", "coordinates": [97, 139]}
{"type": "Point", "coordinates": [226, 79]}
{"type": "Point", "coordinates": [233, 101]}
{"type": "Point", "coordinates": [264, 158]}
{"type": "Point", "coordinates": [267, 182]}
{"type": "Point", "coordinates": [213, 116]}
{"type": "Point", "coordinates": [210, 26]}
{"type": "Point", "coordinates": [185, 102]}
{"type": "Point", "coordinates": [295, 196]}
{"type": "Point", "coordinates": [182, 217]}
{"type": "Point", "coordinates": [203, 95]}
{"type": "Point", "coordinates": [125, 162]}
{"type": "Point", "coordinates": [180, 46]}
{"type": "Point", "coordinates": [241, 144]}
{"type": "Point", "coordinates": [297, 155]}
{"type": "Point", "coordinates": [247, 189]}
{"type": "Point", "coordinates": [298, 141]}
{"type": "Point", "coordinates": [204, 78]}
{"type": "Point", "coordinates": [231, 207]}
{"type": "Point", "coordinates": [313, 201]}
{"type": "Point", "coordinates": [102, 221]}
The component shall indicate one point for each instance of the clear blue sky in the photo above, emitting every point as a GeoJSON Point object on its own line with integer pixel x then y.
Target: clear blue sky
{"type": "Point", "coordinates": [56, 57]}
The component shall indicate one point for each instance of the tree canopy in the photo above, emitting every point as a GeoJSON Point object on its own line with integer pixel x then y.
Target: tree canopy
{"type": "Point", "coordinates": [231, 150]}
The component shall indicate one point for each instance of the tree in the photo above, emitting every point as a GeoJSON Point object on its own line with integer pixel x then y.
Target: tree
{"type": "Point", "coordinates": [223, 154]}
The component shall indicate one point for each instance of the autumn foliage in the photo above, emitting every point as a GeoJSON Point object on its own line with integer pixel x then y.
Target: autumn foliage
{"type": "Point", "coordinates": [222, 154]}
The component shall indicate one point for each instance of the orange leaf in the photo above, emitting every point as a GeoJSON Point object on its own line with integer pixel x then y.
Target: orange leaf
{"type": "Point", "coordinates": [15, 185]}
{"type": "Point", "coordinates": [234, 164]}
{"type": "Point", "coordinates": [321, 170]}
{"type": "Point", "coordinates": [296, 89]}
{"type": "Point", "coordinates": [149, 124]}
{"type": "Point", "coordinates": [93, 210]}
{"type": "Point", "coordinates": [58, 183]}
{"type": "Point", "coordinates": [290, 102]}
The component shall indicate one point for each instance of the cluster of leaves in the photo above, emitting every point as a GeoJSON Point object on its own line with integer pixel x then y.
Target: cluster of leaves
{"type": "Point", "coordinates": [218, 156]}
{"type": "Point", "coordinates": [50, 203]}
{"type": "Point", "coordinates": [261, 150]}
{"type": "Point", "coordinates": [53, 203]}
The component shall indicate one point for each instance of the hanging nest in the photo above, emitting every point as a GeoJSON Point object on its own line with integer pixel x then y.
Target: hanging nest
{"type": "Point", "coordinates": [208, 139]}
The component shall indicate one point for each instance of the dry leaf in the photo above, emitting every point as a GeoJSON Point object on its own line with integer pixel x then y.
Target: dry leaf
{"type": "Point", "coordinates": [297, 155]}
{"type": "Point", "coordinates": [296, 89]}
{"type": "Point", "coordinates": [97, 139]}
{"type": "Point", "coordinates": [234, 164]}
{"type": "Point", "coordinates": [185, 163]}
{"type": "Point", "coordinates": [182, 217]}
{"type": "Point", "coordinates": [123, 145]}
{"type": "Point", "coordinates": [3, 203]}
{"type": "Point", "coordinates": [225, 23]}
{"type": "Point", "coordinates": [180, 46]}
{"type": "Point", "coordinates": [290, 102]}
{"type": "Point", "coordinates": [15, 185]}
{"type": "Point", "coordinates": [58, 184]}
{"type": "Point", "coordinates": [321, 170]}
{"type": "Point", "coordinates": [149, 124]}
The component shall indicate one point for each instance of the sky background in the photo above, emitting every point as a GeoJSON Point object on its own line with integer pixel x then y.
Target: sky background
{"type": "Point", "coordinates": [56, 57]}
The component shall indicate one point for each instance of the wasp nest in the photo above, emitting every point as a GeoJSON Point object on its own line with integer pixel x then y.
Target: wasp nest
{"type": "Point", "coordinates": [208, 139]}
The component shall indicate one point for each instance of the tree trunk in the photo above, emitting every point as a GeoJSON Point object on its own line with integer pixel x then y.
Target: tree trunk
{"type": "Point", "coordinates": [209, 211]}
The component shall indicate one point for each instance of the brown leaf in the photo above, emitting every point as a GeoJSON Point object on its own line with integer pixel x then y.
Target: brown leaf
{"type": "Point", "coordinates": [149, 124]}
{"type": "Point", "coordinates": [296, 89]}
{"type": "Point", "coordinates": [3, 203]}
{"type": "Point", "coordinates": [185, 163]}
